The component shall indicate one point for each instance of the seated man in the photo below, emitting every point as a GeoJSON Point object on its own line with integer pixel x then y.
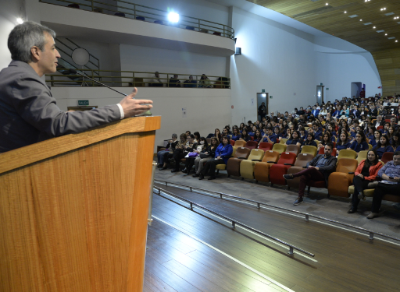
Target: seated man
{"type": "Point", "coordinates": [270, 137]}
{"type": "Point", "coordinates": [190, 82]}
{"type": "Point", "coordinates": [156, 81]}
{"type": "Point", "coordinates": [390, 184]}
{"type": "Point", "coordinates": [174, 81]}
{"type": "Point", "coordinates": [317, 169]}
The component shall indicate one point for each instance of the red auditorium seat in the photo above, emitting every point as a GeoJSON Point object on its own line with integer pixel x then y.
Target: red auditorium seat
{"type": "Point", "coordinates": [265, 146]}
{"type": "Point", "coordinates": [251, 145]}
{"type": "Point", "coordinates": [277, 171]}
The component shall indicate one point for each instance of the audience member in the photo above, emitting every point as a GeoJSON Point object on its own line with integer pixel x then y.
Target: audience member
{"type": "Point", "coordinates": [156, 81]}
{"type": "Point", "coordinates": [162, 156]}
{"type": "Point", "coordinates": [204, 156]}
{"type": "Point", "coordinates": [204, 82]}
{"type": "Point", "coordinates": [365, 173]}
{"type": "Point", "coordinates": [390, 183]}
{"type": "Point", "coordinates": [190, 83]}
{"type": "Point", "coordinates": [174, 81]}
{"type": "Point", "coordinates": [318, 169]}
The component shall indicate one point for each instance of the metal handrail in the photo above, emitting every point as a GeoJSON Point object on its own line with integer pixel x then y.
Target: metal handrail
{"type": "Point", "coordinates": [134, 79]}
{"type": "Point", "coordinates": [306, 215]}
{"type": "Point", "coordinates": [187, 22]}
{"type": "Point", "coordinates": [233, 221]}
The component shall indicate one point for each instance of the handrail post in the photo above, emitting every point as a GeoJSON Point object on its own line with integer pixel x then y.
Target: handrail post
{"type": "Point", "coordinates": [133, 78]}
{"type": "Point", "coordinates": [307, 217]}
{"type": "Point", "coordinates": [233, 224]}
{"type": "Point", "coordinates": [199, 23]}
{"type": "Point", "coordinates": [291, 250]}
{"type": "Point", "coordinates": [51, 78]}
{"type": "Point", "coordinates": [92, 78]}
{"type": "Point", "coordinates": [371, 236]}
{"type": "Point", "coordinates": [92, 5]}
{"type": "Point", "coordinates": [134, 11]}
{"type": "Point", "coordinates": [168, 86]}
{"type": "Point", "coordinates": [258, 205]}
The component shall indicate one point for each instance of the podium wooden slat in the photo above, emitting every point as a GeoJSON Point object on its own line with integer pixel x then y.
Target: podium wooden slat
{"type": "Point", "coordinates": [73, 210]}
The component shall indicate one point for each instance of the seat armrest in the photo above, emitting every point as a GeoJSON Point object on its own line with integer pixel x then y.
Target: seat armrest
{"type": "Point", "coordinates": [351, 172]}
{"type": "Point", "coordinates": [288, 164]}
{"type": "Point", "coordinates": [256, 160]}
{"type": "Point", "coordinates": [305, 166]}
{"type": "Point", "coordinates": [241, 158]}
{"type": "Point", "coordinates": [271, 162]}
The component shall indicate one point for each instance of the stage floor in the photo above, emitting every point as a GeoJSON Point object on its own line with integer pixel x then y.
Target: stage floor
{"type": "Point", "coordinates": [188, 252]}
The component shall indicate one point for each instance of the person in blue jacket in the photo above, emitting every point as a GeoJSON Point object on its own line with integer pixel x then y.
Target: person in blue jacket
{"type": "Point", "coordinates": [359, 143]}
{"type": "Point", "coordinates": [343, 142]}
{"type": "Point", "coordinates": [222, 154]}
{"type": "Point", "coordinates": [383, 146]}
{"type": "Point", "coordinates": [270, 137]}
{"type": "Point", "coordinates": [375, 139]}
{"type": "Point", "coordinates": [396, 142]}
{"type": "Point", "coordinates": [294, 139]}
{"type": "Point", "coordinates": [309, 141]}
{"type": "Point", "coordinates": [235, 135]}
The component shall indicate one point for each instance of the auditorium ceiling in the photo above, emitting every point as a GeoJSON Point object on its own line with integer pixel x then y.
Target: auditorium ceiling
{"type": "Point", "coordinates": [373, 25]}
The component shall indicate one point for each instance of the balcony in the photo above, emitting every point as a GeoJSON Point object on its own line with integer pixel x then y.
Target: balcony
{"type": "Point", "coordinates": [128, 23]}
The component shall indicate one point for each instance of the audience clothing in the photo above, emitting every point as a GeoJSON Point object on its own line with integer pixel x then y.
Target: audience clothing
{"type": "Point", "coordinates": [357, 147]}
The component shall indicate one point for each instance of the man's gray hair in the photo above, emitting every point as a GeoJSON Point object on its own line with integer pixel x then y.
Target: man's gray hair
{"type": "Point", "coordinates": [174, 136]}
{"type": "Point", "coordinates": [25, 36]}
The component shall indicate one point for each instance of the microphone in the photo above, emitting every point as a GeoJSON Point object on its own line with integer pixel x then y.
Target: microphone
{"type": "Point", "coordinates": [85, 76]}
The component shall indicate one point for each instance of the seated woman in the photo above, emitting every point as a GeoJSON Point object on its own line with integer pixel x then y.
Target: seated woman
{"type": "Point", "coordinates": [181, 149]}
{"type": "Point", "coordinates": [285, 134]}
{"type": "Point", "coordinates": [222, 154]}
{"type": "Point", "coordinates": [236, 135]}
{"type": "Point", "coordinates": [204, 156]}
{"type": "Point", "coordinates": [343, 142]}
{"type": "Point", "coordinates": [326, 138]}
{"type": "Point", "coordinates": [375, 139]}
{"type": "Point", "coordinates": [162, 156]}
{"type": "Point", "coordinates": [217, 134]}
{"type": "Point", "coordinates": [257, 136]}
{"type": "Point", "coordinates": [383, 146]}
{"type": "Point", "coordinates": [244, 137]}
{"type": "Point", "coordinates": [198, 148]}
{"type": "Point", "coordinates": [310, 140]}
{"type": "Point", "coordinates": [359, 143]}
{"type": "Point", "coordinates": [365, 173]}
{"type": "Point", "coordinates": [294, 139]}
{"type": "Point", "coordinates": [302, 133]}
{"type": "Point", "coordinates": [396, 141]}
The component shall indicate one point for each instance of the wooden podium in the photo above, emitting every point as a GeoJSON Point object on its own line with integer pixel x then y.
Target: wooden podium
{"type": "Point", "coordinates": [73, 210]}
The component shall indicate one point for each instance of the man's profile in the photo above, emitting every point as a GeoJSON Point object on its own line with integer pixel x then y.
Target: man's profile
{"type": "Point", "coordinates": [28, 111]}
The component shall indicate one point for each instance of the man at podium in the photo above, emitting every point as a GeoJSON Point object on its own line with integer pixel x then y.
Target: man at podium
{"type": "Point", "coordinates": [28, 111]}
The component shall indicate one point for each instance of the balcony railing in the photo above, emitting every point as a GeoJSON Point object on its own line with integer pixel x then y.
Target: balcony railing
{"type": "Point", "coordinates": [144, 13]}
{"type": "Point", "coordinates": [135, 79]}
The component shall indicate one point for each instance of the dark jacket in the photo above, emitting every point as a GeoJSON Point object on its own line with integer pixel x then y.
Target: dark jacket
{"type": "Point", "coordinates": [326, 170]}
{"type": "Point", "coordinates": [210, 151]}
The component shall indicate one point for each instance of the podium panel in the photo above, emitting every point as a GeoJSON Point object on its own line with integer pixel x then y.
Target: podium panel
{"type": "Point", "coordinates": [76, 219]}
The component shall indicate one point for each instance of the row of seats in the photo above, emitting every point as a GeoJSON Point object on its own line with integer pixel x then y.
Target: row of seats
{"type": "Point", "coordinates": [270, 166]}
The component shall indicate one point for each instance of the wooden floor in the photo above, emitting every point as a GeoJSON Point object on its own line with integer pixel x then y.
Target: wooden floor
{"type": "Point", "coordinates": [187, 252]}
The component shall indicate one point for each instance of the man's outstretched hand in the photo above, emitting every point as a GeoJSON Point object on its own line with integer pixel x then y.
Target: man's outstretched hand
{"type": "Point", "coordinates": [133, 107]}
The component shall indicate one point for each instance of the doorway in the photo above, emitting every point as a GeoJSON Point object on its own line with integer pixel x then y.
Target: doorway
{"type": "Point", "coordinates": [320, 94]}
{"type": "Point", "coordinates": [356, 89]}
{"type": "Point", "coordinates": [262, 97]}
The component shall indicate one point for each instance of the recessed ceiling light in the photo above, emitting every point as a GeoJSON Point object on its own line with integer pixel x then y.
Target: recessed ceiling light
{"type": "Point", "coordinates": [383, 9]}
{"type": "Point", "coordinates": [396, 17]}
{"type": "Point", "coordinates": [345, 11]}
{"type": "Point", "coordinates": [374, 27]}
{"type": "Point", "coordinates": [385, 33]}
{"type": "Point", "coordinates": [360, 19]}
{"type": "Point", "coordinates": [326, 4]}
{"type": "Point", "coordinates": [395, 41]}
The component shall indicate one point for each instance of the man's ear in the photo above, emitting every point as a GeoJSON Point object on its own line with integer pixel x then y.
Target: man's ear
{"type": "Point", "coordinates": [35, 54]}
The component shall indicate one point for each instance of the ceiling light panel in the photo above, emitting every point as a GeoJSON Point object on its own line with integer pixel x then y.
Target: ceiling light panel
{"type": "Point", "coordinates": [391, 38]}
{"type": "Point", "coordinates": [367, 23]}
{"type": "Point", "coordinates": [390, 13]}
{"type": "Point", "coordinates": [354, 15]}
{"type": "Point", "coordinates": [378, 31]}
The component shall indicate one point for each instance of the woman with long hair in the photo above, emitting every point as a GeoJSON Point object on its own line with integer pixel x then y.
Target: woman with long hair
{"type": "Point", "coordinates": [375, 139]}
{"type": "Point", "coordinates": [179, 151]}
{"type": "Point", "coordinates": [241, 127]}
{"type": "Point", "coordinates": [326, 138]}
{"type": "Point", "coordinates": [343, 142]}
{"type": "Point", "coordinates": [365, 173]}
{"type": "Point", "coordinates": [257, 136]}
{"type": "Point", "coordinates": [204, 156]}
{"type": "Point", "coordinates": [294, 139]}
{"type": "Point", "coordinates": [396, 141]}
{"type": "Point", "coordinates": [245, 137]}
{"type": "Point", "coordinates": [383, 146]}
{"type": "Point", "coordinates": [222, 154]}
{"type": "Point", "coordinates": [217, 134]}
{"type": "Point", "coordinates": [390, 134]}
{"type": "Point", "coordinates": [359, 143]}
{"type": "Point", "coordinates": [309, 141]}
{"type": "Point", "coordinates": [235, 135]}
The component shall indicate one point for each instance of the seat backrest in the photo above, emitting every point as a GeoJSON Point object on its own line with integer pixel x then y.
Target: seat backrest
{"type": "Point", "coordinates": [293, 148]}
{"type": "Point", "coordinates": [232, 142]}
{"type": "Point", "coordinates": [347, 153]}
{"type": "Point", "coordinates": [387, 156]}
{"type": "Point", "coordinates": [303, 159]}
{"type": "Point", "coordinates": [251, 144]}
{"type": "Point", "coordinates": [240, 143]}
{"type": "Point", "coordinates": [346, 165]}
{"type": "Point", "coordinates": [279, 147]}
{"type": "Point", "coordinates": [283, 141]}
{"type": "Point", "coordinates": [242, 152]}
{"type": "Point", "coordinates": [265, 146]}
{"type": "Point", "coordinates": [256, 154]}
{"type": "Point", "coordinates": [287, 157]}
{"type": "Point", "coordinates": [309, 149]}
{"type": "Point", "coordinates": [322, 151]}
{"type": "Point", "coordinates": [362, 155]}
{"type": "Point", "coordinates": [234, 151]}
{"type": "Point", "coordinates": [270, 155]}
